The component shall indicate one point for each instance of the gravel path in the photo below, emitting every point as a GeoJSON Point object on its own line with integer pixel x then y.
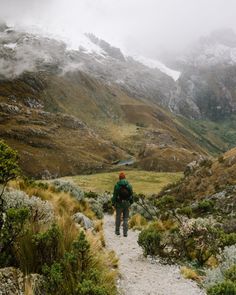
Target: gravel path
{"type": "Point", "coordinates": [141, 276]}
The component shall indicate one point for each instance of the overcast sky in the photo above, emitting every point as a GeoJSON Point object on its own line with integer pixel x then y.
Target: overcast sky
{"type": "Point", "coordinates": [141, 26]}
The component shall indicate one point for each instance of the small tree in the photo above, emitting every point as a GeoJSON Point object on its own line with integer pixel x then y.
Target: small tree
{"type": "Point", "coordinates": [9, 168]}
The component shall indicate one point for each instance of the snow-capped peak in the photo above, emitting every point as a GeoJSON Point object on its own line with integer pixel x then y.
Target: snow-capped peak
{"type": "Point", "coordinates": [155, 64]}
{"type": "Point", "coordinates": [83, 43]}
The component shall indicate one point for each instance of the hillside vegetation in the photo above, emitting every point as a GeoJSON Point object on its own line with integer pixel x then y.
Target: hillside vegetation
{"type": "Point", "coordinates": [66, 125]}
{"type": "Point", "coordinates": [45, 248]}
{"type": "Point", "coordinates": [193, 222]}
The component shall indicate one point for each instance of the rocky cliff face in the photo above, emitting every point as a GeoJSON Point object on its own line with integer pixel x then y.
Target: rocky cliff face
{"type": "Point", "coordinates": [206, 88]}
{"type": "Point", "coordinates": [21, 51]}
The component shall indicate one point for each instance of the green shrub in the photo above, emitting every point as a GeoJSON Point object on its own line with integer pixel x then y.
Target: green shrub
{"type": "Point", "coordinates": [54, 277]}
{"type": "Point", "coordinates": [230, 274]}
{"type": "Point", "coordinates": [30, 182]}
{"type": "Point", "coordinates": [107, 207]}
{"type": "Point", "coordinates": [225, 288]}
{"type": "Point", "coordinates": [149, 239]}
{"type": "Point", "coordinates": [46, 247]}
{"type": "Point", "coordinates": [63, 275]}
{"type": "Point", "coordinates": [81, 249]}
{"type": "Point", "coordinates": [91, 195]}
{"type": "Point", "coordinates": [88, 287]}
{"type": "Point", "coordinates": [9, 168]}
{"type": "Point", "coordinates": [228, 239]}
{"type": "Point", "coordinates": [12, 228]}
{"type": "Point", "coordinates": [205, 206]}
{"type": "Point", "coordinates": [187, 211]}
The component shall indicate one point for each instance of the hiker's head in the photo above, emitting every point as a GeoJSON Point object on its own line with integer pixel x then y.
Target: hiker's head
{"type": "Point", "coordinates": [122, 175]}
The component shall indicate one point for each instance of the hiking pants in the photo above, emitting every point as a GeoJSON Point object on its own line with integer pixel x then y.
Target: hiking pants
{"type": "Point", "coordinates": [119, 213]}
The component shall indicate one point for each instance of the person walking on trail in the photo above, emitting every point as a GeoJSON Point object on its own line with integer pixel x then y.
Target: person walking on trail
{"type": "Point", "coordinates": [122, 200]}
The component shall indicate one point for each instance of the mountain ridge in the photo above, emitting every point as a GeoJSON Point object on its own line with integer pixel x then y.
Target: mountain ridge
{"type": "Point", "coordinates": [124, 104]}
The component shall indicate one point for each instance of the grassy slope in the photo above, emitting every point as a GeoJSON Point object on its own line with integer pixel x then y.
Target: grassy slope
{"type": "Point", "coordinates": [142, 181]}
{"type": "Point", "coordinates": [208, 179]}
{"type": "Point", "coordinates": [110, 112]}
{"type": "Point", "coordinates": [216, 137]}
{"type": "Point", "coordinates": [159, 140]}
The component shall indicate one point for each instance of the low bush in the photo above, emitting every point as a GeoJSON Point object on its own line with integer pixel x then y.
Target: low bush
{"type": "Point", "coordinates": [100, 204]}
{"type": "Point", "coordinates": [225, 288]}
{"type": "Point", "coordinates": [14, 220]}
{"type": "Point", "coordinates": [186, 211]}
{"type": "Point", "coordinates": [68, 187]}
{"type": "Point", "coordinates": [230, 274]}
{"type": "Point", "coordinates": [149, 239]}
{"type": "Point", "coordinates": [205, 206]}
{"type": "Point", "coordinates": [194, 239]}
{"type": "Point", "coordinates": [46, 247]}
{"type": "Point", "coordinates": [88, 287]}
{"type": "Point", "coordinates": [227, 260]}
{"type": "Point", "coordinates": [228, 239]}
{"type": "Point", "coordinates": [76, 273]}
{"type": "Point", "coordinates": [39, 210]}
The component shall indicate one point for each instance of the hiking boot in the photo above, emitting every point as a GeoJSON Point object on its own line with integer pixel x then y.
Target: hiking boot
{"type": "Point", "coordinates": [125, 235]}
{"type": "Point", "coordinates": [117, 233]}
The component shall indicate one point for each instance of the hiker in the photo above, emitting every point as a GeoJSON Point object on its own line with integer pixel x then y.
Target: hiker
{"type": "Point", "coordinates": [121, 200]}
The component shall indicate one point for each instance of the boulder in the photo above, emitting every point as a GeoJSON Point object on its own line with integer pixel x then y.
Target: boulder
{"type": "Point", "coordinates": [11, 281]}
{"type": "Point", "coordinates": [83, 220]}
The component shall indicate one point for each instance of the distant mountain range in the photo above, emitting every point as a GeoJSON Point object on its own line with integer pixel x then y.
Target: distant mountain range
{"type": "Point", "coordinates": [69, 111]}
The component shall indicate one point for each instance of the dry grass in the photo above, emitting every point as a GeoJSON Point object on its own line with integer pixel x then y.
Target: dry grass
{"type": "Point", "coordinates": [65, 206]}
{"type": "Point", "coordinates": [142, 181]}
{"type": "Point", "coordinates": [190, 274]}
{"type": "Point", "coordinates": [137, 222]}
{"type": "Point", "coordinates": [104, 260]}
{"type": "Point", "coordinates": [212, 262]}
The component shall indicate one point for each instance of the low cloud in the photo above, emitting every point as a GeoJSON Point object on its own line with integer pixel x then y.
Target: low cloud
{"type": "Point", "coordinates": [143, 26]}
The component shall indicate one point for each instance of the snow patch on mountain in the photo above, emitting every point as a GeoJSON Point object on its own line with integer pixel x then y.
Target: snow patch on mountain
{"type": "Point", "coordinates": [83, 44]}
{"type": "Point", "coordinates": [211, 54]}
{"type": "Point", "coordinates": [10, 45]}
{"type": "Point", "coordinates": [155, 64]}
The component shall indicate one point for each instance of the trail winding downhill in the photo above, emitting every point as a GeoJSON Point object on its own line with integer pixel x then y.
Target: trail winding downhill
{"type": "Point", "coordinates": [140, 276]}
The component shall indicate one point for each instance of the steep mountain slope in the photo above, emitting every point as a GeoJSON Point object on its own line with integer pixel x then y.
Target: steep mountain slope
{"type": "Point", "coordinates": [74, 123]}
{"type": "Point", "coordinates": [206, 88]}
{"type": "Point", "coordinates": [47, 92]}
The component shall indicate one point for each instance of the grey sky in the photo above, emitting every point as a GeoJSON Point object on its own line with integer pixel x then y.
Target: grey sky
{"type": "Point", "coordinates": [142, 26]}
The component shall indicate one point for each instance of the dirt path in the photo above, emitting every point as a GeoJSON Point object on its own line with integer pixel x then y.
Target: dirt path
{"type": "Point", "coordinates": [140, 276]}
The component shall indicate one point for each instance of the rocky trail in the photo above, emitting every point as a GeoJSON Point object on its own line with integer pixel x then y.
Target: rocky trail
{"type": "Point", "coordinates": [143, 276]}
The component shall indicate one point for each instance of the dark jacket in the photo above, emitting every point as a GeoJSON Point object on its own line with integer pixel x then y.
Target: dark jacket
{"type": "Point", "coordinates": [115, 199]}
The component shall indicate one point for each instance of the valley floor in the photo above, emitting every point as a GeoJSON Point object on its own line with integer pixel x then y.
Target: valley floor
{"type": "Point", "coordinates": [141, 276]}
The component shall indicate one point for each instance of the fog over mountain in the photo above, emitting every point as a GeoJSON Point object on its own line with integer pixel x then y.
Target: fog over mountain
{"type": "Point", "coordinates": [144, 27]}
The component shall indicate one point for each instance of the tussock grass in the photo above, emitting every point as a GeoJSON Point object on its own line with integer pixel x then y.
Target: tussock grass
{"type": "Point", "coordinates": [137, 222]}
{"type": "Point", "coordinates": [142, 181]}
{"type": "Point", "coordinates": [102, 261]}
{"type": "Point", "coordinates": [190, 274]}
{"type": "Point", "coordinates": [65, 206]}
